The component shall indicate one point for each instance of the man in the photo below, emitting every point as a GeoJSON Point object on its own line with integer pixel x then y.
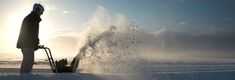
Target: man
{"type": "Point", "coordinates": [28, 40]}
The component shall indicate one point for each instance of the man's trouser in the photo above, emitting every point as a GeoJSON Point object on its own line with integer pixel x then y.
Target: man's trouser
{"type": "Point", "coordinates": [28, 60]}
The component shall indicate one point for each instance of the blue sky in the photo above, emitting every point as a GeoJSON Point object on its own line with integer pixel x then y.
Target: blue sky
{"type": "Point", "coordinates": [150, 15]}
{"type": "Point", "coordinates": [186, 15]}
{"type": "Point", "coordinates": [212, 20]}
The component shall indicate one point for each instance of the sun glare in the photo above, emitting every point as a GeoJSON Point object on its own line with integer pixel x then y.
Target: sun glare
{"type": "Point", "coordinates": [15, 22]}
{"type": "Point", "coordinates": [14, 26]}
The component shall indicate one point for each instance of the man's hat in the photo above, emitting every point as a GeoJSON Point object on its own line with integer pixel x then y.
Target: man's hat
{"type": "Point", "coordinates": [38, 7]}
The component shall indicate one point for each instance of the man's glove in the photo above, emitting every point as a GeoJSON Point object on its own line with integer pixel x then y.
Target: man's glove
{"type": "Point", "coordinates": [41, 46]}
{"type": "Point", "coordinates": [35, 48]}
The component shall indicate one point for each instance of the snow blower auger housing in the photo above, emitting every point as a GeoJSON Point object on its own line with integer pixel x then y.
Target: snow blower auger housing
{"type": "Point", "coordinates": [61, 65]}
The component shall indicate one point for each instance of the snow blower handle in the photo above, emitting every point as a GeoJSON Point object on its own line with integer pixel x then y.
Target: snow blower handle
{"type": "Point", "coordinates": [50, 58]}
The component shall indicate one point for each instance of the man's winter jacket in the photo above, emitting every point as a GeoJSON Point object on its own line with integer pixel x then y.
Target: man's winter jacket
{"type": "Point", "coordinates": [28, 37]}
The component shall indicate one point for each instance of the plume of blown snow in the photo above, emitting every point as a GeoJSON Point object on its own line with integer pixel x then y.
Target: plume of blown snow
{"type": "Point", "coordinates": [107, 43]}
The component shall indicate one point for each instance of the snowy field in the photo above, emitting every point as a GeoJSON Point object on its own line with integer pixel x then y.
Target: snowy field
{"type": "Point", "coordinates": [146, 71]}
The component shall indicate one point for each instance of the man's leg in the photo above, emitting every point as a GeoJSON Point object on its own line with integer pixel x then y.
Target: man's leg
{"type": "Point", "coordinates": [28, 60]}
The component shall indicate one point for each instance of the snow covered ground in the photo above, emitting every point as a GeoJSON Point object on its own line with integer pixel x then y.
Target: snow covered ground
{"type": "Point", "coordinates": [146, 71]}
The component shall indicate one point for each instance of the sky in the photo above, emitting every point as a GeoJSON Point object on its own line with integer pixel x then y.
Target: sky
{"type": "Point", "coordinates": [192, 24]}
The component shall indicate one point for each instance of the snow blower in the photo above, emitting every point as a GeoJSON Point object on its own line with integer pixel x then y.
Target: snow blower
{"type": "Point", "coordinates": [61, 65]}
